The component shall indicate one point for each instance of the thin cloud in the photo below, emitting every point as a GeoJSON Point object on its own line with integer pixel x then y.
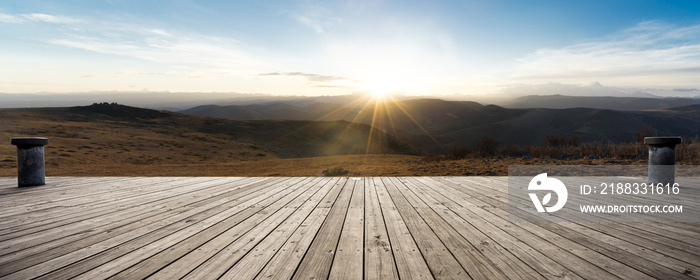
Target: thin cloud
{"type": "Point", "coordinates": [333, 86]}
{"type": "Point", "coordinates": [10, 18]}
{"type": "Point", "coordinates": [648, 49]}
{"type": "Point", "coordinates": [136, 73]}
{"type": "Point", "coordinates": [314, 24]}
{"type": "Point", "coordinates": [37, 17]}
{"type": "Point", "coordinates": [308, 76]}
{"type": "Point", "coordinates": [315, 17]}
{"type": "Point", "coordinates": [150, 43]}
{"type": "Point", "coordinates": [50, 18]}
{"type": "Point", "coordinates": [197, 77]}
{"type": "Point", "coordinates": [161, 46]}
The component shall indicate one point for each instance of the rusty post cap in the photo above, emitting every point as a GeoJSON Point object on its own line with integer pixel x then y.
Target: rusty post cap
{"type": "Point", "coordinates": [663, 141]}
{"type": "Point", "coordinates": [29, 141]}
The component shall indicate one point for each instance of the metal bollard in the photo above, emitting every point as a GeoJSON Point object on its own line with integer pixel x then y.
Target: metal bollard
{"type": "Point", "coordinates": [30, 160]}
{"type": "Point", "coordinates": [662, 159]}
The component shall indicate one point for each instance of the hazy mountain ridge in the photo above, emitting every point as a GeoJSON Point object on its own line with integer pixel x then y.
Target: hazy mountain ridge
{"type": "Point", "coordinates": [598, 102]}
{"type": "Point", "coordinates": [173, 101]}
{"type": "Point", "coordinates": [436, 125]}
{"type": "Point", "coordinates": [312, 111]}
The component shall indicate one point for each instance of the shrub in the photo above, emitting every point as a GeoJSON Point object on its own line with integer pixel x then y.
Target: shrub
{"type": "Point", "coordinates": [644, 132]}
{"type": "Point", "coordinates": [562, 147]}
{"type": "Point", "coordinates": [689, 151]}
{"type": "Point", "coordinates": [514, 150]}
{"type": "Point", "coordinates": [457, 153]}
{"type": "Point", "coordinates": [433, 158]}
{"type": "Point", "coordinates": [337, 171]}
{"type": "Point", "coordinates": [486, 147]}
{"type": "Point", "coordinates": [555, 140]}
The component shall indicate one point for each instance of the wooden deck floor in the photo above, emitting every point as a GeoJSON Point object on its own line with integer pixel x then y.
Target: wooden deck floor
{"type": "Point", "coordinates": [315, 228]}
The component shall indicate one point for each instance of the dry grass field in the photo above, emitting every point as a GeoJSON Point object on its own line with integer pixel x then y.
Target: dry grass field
{"type": "Point", "coordinates": [356, 165]}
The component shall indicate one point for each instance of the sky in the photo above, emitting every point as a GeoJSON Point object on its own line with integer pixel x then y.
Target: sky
{"type": "Point", "coordinates": [479, 47]}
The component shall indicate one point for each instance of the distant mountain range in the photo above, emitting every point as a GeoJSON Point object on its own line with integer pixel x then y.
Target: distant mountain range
{"type": "Point", "coordinates": [178, 101]}
{"type": "Point", "coordinates": [436, 125]}
{"type": "Point", "coordinates": [598, 102]}
{"type": "Point", "coordinates": [172, 101]}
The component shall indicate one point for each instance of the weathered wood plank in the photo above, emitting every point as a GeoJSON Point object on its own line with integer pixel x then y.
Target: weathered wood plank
{"type": "Point", "coordinates": [647, 257]}
{"type": "Point", "coordinates": [638, 262]}
{"type": "Point", "coordinates": [51, 239]}
{"type": "Point", "coordinates": [250, 232]}
{"type": "Point", "coordinates": [442, 264]}
{"type": "Point", "coordinates": [256, 259]}
{"type": "Point", "coordinates": [152, 257]}
{"type": "Point", "coordinates": [58, 199]}
{"type": "Point", "coordinates": [564, 241]}
{"type": "Point", "coordinates": [328, 228]}
{"type": "Point", "coordinates": [545, 246]}
{"type": "Point", "coordinates": [410, 263]}
{"type": "Point", "coordinates": [34, 220]}
{"type": "Point", "coordinates": [379, 259]}
{"type": "Point", "coordinates": [347, 262]}
{"type": "Point", "coordinates": [468, 255]}
{"type": "Point", "coordinates": [317, 261]}
{"type": "Point", "coordinates": [689, 239]}
{"type": "Point", "coordinates": [486, 251]}
{"type": "Point", "coordinates": [53, 184]}
{"type": "Point", "coordinates": [104, 231]}
{"type": "Point", "coordinates": [123, 220]}
{"type": "Point", "coordinates": [542, 264]}
{"type": "Point", "coordinates": [38, 223]}
{"type": "Point", "coordinates": [97, 254]}
{"type": "Point", "coordinates": [169, 255]}
{"type": "Point", "coordinates": [288, 258]}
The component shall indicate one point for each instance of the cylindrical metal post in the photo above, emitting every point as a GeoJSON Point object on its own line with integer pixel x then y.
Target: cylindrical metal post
{"type": "Point", "coordinates": [662, 159]}
{"type": "Point", "coordinates": [30, 160]}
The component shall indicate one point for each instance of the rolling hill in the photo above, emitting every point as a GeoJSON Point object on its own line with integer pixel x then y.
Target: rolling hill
{"type": "Point", "coordinates": [437, 125]}
{"type": "Point", "coordinates": [110, 133]}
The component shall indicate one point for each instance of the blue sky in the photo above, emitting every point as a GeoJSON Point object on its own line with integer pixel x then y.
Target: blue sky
{"type": "Point", "coordinates": [339, 47]}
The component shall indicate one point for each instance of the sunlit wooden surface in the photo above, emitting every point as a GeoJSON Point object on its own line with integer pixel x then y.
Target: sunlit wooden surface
{"type": "Point", "coordinates": [315, 228]}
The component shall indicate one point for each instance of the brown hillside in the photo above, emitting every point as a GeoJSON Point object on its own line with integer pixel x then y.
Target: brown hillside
{"type": "Point", "coordinates": [437, 126]}
{"type": "Point", "coordinates": [115, 135]}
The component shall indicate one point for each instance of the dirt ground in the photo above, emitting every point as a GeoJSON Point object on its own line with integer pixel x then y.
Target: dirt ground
{"type": "Point", "coordinates": [356, 165]}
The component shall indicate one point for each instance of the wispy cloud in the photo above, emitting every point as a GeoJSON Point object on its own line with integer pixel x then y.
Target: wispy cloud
{"type": "Point", "coordinates": [650, 48]}
{"type": "Point", "coordinates": [50, 18]}
{"type": "Point", "coordinates": [186, 49]}
{"type": "Point", "coordinates": [136, 73]}
{"type": "Point", "coordinates": [315, 16]}
{"type": "Point", "coordinates": [308, 76]}
{"type": "Point", "coordinates": [10, 18]}
{"type": "Point", "coordinates": [146, 42]}
{"type": "Point", "coordinates": [36, 17]}
{"type": "Point", "coordinates": [314, 24]}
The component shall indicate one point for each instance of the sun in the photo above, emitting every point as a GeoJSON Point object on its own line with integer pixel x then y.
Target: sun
{"type": "Point", "coordinates": [380, 85]}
